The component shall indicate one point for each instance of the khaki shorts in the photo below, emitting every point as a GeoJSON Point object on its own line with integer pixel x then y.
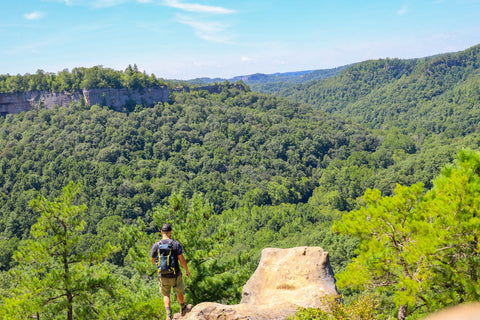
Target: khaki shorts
{"type": "Point", "coordinates": [166, 285]}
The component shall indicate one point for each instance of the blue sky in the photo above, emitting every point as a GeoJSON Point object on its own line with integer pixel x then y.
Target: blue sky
{"type": "Point", "coordinates": [185, 39]}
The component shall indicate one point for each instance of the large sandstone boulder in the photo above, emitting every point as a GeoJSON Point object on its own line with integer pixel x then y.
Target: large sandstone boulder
{"type": "Point", "coordinates": [469, 311]}
{"type": "Point", "coordinates": [285, 280]}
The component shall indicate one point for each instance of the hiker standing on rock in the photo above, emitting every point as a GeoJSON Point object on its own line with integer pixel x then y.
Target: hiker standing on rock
{"type": "Point", "coordinates": [166, 254]}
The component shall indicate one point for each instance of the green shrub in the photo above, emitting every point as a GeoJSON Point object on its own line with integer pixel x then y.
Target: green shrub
{"type": "Point", "coordinates": [363, 308]}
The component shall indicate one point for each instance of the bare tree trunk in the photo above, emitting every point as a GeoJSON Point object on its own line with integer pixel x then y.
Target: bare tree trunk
{"type": "Point", "coordinates": [70, 306]}
{"type": "Point", "coordinates": [402, 313]}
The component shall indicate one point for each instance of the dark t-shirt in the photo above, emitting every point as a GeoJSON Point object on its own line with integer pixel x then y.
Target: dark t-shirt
{"type": "Point", "coordinates": [177, 250]}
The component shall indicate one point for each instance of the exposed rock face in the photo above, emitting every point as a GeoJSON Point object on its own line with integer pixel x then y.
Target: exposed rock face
{"type": "Point", "coordinates": [469, 311]}
{"type": "Point", "coordinates": [119, 98]}
{"type": "Point", "coordinates": [18, 102]}
{"type": "Point", "coordinates": [285, 280]}
{"type": "Point", "coordinates": [114, 98]}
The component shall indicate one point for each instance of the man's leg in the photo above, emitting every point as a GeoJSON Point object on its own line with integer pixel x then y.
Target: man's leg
{"type": "Point", "coordinates": [166, 301]}
{"type": "Point", "coordinates": [165, 289]}
{"type": "Point", "coordinates": [168, 309]}
{"type": "Point", "coordinates": [181, 298]}
{"type": "Point", "coordinates": [180, 291]}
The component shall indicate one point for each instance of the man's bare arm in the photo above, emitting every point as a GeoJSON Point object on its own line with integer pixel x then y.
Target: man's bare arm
{"type": "Point", "coordinates": [183, 263]}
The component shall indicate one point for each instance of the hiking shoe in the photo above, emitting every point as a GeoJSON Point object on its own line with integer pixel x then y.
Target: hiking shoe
{"type": "Point", "coordinates": [169, 317]}
{"type": "Point", "coordinates": [186, 308]}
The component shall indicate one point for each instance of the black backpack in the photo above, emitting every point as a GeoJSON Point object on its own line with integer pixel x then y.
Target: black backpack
{"type": "Point", "coordinates": [166, 258]}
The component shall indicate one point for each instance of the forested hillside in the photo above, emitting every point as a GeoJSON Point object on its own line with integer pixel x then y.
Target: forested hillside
{"type": "Point", "coordinates": [235, 172]}
{"type": "Point", "coordinates": [270, 83]}
{"type": "Point", "coordinates": [436, 95]}
{"type": "Point", "coordinates": [242, 154]}
{"type": "Point", "coordinates": [238, 149]}
{"type": "Point", "coordinates": [410, 252]}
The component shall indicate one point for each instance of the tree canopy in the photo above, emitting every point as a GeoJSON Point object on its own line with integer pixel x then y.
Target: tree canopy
{"type": "Point", "coordinates": [422, 247]}
{"type": "Point", "coordinates": [79, 78]}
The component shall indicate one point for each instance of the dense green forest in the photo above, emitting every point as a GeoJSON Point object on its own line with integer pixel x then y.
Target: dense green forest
{"type": "Point", "coordinates": [429, 96]}
{"type": "Point", "coordinates": [250, 170]}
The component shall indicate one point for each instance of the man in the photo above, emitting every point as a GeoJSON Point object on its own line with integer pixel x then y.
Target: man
{"type": "Point", "coordinates": [175, 280]}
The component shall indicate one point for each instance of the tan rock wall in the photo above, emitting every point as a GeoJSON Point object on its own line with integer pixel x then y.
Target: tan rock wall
{"type": "Point", "coordinates": [113, 98]}
{"type": "Point", "coordinates": [119, 98]}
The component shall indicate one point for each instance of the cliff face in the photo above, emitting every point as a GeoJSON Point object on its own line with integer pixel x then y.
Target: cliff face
{"type": "Point", "coordinates": [116, 99]}
{"type": "Point", "coordinates": [18, 102]}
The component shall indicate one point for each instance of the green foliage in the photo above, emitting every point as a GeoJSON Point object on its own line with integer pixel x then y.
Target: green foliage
{"type": "Point", "coordinates": [270, 83]}
{"type": "Point", "coordinates": [421, 248]}
{"type": "Point", "coordinates": [434, 95]}
{"type": "Point", "coordinates": [364, 308]}
{"type": "Point", "coordinates": [394, 245]}
{"type": "Point", "coordinates": [425, 109]}
{"type": "Point", "coordinates": [283, 226]}
{"type": "Point", "coordinates": [77, 79]}
{"type": "Point", "coordinates": [453, 202]}
{"type": "Point", "coordinates": [203, 243]}
{"type": "Point", "coordinates": [280, 81]}
{"type": "Point", "coordinates": [235, 148]}
{"type": "Point", "coordinates": [53, 277]}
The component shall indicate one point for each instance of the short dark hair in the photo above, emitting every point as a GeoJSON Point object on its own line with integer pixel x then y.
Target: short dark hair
{"type": "Point", "coordinates": [167, 227]}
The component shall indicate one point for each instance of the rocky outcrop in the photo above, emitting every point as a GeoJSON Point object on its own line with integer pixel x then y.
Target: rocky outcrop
{"type": "Point", "coordinates": [18, 102]}
{"type": "Point", "coordinates": [469, 311]}
{"type": "Point", "coordinates": [284, 280]}
{"type": "Point", "coordinates": [116, 99]}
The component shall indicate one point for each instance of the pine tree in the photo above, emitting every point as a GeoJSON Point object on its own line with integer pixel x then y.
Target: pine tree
{"type": "Point", "coordinates": [420, 248]}
{"type": "Point", "coordinates": [55, 278]}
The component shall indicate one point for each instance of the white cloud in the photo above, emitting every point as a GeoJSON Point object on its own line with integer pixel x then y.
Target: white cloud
{"type": "Point", "coordinates": [207, 30]}
{"type": "Point", "coordinates": [403, 10]}
{"type": "Point", "coordinates": [107, 3]}
{"type": "Point", "coordinates": [245, 59]}
{"type": "Point", "coordinates": [33, 15]}
{"type": "Point", "coordinates": [195, 7]}
{"type": "Point", "coordinates": [95, 3]}
{"type": "Point", "coordinates": [177, 4]}
{"type": "Point", "coordinates": [69, 2]}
